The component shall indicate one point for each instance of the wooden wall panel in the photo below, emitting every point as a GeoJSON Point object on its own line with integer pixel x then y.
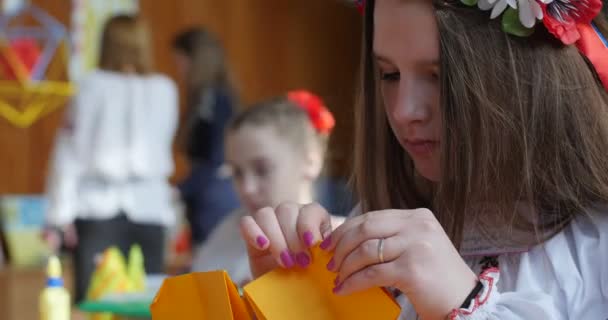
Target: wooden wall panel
{"type": "Point", "coordinates": [273, 45]}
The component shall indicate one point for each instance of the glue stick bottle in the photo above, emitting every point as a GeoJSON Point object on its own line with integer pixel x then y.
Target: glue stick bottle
{"type": "Point", "coordinates": [54, 299]}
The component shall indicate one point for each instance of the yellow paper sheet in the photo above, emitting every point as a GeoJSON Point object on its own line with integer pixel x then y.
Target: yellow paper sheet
{"type": "Point", "coordinates": [307, 294]}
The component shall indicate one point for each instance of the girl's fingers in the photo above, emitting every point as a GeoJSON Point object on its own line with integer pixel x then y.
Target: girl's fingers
{"type": "Point", "coordinates": [329, 242]}
{"type": "Point", "coordinates": [253, 234]}
{"type": "Point", "coordinates": [378, 275]}
{"type": "Point", "coordinates": [286, 232]}
{"type": "Point", "coordinates": [372, 226]}
{"type": "Point", "coordinates": [314, 224]}
{"type": "Point", "coordinates": [266, 219]}
{"type": "Point", "coordinates": [287, 216]}
{"type": "Point", "coordinates": [368, 254]}
{"type": "Point", "coordinates": [260, 258]}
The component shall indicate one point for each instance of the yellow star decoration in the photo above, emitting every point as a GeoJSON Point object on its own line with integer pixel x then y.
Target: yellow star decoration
{"type": "Point", "coordinates": [22, 104]}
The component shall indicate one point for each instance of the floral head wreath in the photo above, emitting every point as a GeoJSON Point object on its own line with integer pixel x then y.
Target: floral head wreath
{"type": "Point", "coordinates": [320, 117]}
{"type": "Point", "coordinates": [570, 21]}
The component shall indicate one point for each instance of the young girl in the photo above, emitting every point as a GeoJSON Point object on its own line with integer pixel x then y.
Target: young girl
{"type": "Point", "coordinates": [110, 172]}
{"type": "Point", "coordinates": [276, 151]}
{"type": "Point", "coordinates": [481, 166]}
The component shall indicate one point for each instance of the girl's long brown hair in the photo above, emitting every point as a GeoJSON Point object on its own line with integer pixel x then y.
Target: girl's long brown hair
{"type": "Point", "coordinates": [525, 126]}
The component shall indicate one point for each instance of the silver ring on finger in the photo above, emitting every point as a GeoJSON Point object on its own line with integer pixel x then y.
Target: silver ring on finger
{"type": "Point", "coordinates": [381, 250]}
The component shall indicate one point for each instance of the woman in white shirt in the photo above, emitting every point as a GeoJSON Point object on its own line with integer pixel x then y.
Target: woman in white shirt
{"type": "Point", "coordinates": [112, 160]}
{"type": "Point", "coordinates": [480, 163]}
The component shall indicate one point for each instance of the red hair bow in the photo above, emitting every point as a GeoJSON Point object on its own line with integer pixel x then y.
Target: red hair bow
{"type": "Point", "coordinates": [320, 117]}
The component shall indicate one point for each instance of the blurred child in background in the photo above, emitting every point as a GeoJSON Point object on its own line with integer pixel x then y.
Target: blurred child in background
{"type": "Point", "coordinates": [210, 99]}
{"type": "Point", "coordinates": [112, 160]}
{"type": "Point", "coordinates": [275, 151]}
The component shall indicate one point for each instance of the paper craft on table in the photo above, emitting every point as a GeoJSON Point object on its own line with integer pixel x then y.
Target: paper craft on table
{"type": "Point", "coordinates": [297, 294]}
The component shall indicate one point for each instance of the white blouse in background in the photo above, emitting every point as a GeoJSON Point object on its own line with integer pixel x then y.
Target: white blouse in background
{"type": "Point", "coordinates": [225, 249]}
{"type": "Point", "coordinates": [115, 152]}
{"type": "Point", "coordinates": [564, 278]}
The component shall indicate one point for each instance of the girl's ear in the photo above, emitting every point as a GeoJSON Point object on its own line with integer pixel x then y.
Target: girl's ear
{"type": "Point", "coordinates": [313, 164]}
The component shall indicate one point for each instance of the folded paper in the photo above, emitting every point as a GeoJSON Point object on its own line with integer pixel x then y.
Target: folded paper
{"type": "Point", "coordinates": [201, 296]}
{"type": "Point", "coordinates": [113, 275]}
{"type": "Point", "coordinates": [301, 293]}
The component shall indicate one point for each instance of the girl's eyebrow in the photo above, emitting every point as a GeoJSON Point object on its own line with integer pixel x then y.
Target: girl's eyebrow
{"type": "Point", "coordinates": [424, 62]}
{"type": "Point", "coordinates": [381, 58]}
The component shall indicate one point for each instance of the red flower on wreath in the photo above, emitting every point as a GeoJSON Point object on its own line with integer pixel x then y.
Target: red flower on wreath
{"type": "Point", "coordinates": [562, 17]}
{"type": "Point", "coordinates": [320, 117]}
{"type": "Point", "coordinates": [360, 5]}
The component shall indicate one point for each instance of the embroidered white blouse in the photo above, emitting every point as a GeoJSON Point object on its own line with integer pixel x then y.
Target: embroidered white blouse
{"type": "Point", "coordinates": [114, 153]}
{"type": "Point", "coordinates": [564, 278]}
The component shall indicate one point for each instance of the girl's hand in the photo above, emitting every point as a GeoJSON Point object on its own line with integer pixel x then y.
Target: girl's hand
{"type": "Point", "coordinates": [417, 257]}
{"type": "Point", "coordinates": [282, 236]}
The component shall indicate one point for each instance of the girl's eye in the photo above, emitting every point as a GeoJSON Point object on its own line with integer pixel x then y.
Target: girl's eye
{"type": "Point", "coordinates": [237, 173]}
{"type": "Point", "coordinates": [390, 76]}
{"type": "Point", "coordinates": [262, 171]}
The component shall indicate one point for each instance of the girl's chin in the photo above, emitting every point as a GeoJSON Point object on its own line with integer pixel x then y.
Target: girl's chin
{"type": "Point", "coordinates": [427, 172]}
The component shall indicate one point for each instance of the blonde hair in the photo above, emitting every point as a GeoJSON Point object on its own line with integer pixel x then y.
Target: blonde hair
{"type": "Point", "coordinates": [291, 122]}
{"type": "Point", "coordinates": [126, 43]}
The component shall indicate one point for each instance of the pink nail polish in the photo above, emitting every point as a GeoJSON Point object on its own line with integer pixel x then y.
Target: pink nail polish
{"type": "Point", "coordinates": [287, 259]}
{"type": "Point", "coordinates": [308, 238]}
{"type": "Point", "coordinates": [303, 259]}
{"type": "Point", "coordinates": [261, 241]}
{"type": "Point", "coordinates": [331, 264]}
{"type": "Point", "coordinates": [336, 281]}
{"type": "Point", "coordinates": [337, 288]}
{"type": "Point", "coordinates": [326, 243]}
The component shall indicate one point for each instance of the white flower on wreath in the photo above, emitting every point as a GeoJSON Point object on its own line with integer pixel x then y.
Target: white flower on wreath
{"type": "Point", "coordinates": [529, 10]}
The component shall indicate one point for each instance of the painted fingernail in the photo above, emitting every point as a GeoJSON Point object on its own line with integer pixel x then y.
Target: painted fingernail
{"type": "Point", "coordinates": [303, 259]}
{"type": "Point", "coordinates": [337, 288]}
{"type": "Point", "coordinates": [308, 238]}
{"type": "Point", "coordinates": [326, 243]}
{"type": "Point", "coordinates": [331, 264]}
{"type": "Point", "coordinates": [336, 281]}
{"type": "Point", "coordinates": [261, 241]}
{"type": "Point", "coordinates": [287, 259]}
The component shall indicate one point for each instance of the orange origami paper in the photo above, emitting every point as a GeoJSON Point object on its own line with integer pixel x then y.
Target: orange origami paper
{"type": "Point", "coordinates": [298, 294]}
{"type": "Point", "coordinates": [200, 296]}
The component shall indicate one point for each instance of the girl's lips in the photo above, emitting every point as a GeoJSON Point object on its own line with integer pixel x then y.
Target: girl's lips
{"type": "Point", "coordinates": [421, 147]}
